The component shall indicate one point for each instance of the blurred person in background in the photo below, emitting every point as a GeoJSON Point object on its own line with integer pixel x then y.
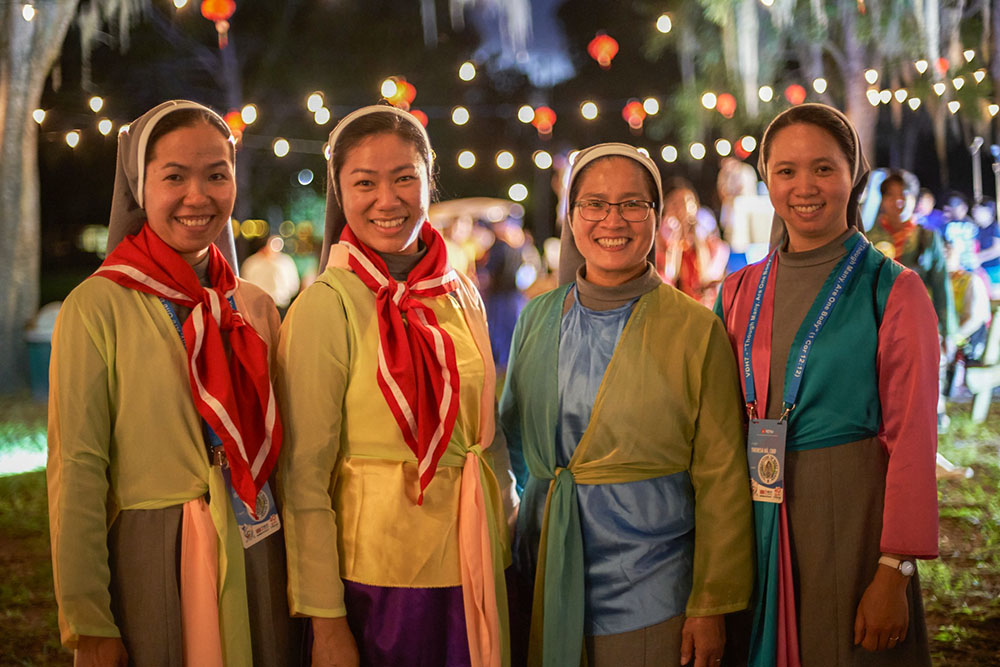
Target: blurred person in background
{"type": "Point", "coordinates": [273, 271]}
{"type": "Point", "coordinates": [926, 215]}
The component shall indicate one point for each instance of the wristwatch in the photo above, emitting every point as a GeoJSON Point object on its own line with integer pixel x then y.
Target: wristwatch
{"type": "Point", "coordinates": [904, 567]}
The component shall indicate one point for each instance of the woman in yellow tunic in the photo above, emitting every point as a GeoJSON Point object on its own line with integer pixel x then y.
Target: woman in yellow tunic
{"type": "Point", "coordinates": [394, 527]}
{"type": "Point", "coordinates": [161, 413]}
{"type": "Point", "coordinates": [618, 405]}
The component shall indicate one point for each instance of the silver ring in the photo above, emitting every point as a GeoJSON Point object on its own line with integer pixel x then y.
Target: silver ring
{"type": "Point", "coordinates": [894, 639]}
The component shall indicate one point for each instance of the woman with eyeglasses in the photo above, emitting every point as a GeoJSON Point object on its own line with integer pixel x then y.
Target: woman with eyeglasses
{"type": "Point", "coordinates": [618, 408]}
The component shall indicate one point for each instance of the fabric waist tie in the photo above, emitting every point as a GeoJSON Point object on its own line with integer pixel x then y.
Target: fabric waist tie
{"type": "Point", "coordinates": [479, 575]}
{"type": "Point", "coordinates": [200, 587]}
{"type": "Point", "coordinates": [557, 632]}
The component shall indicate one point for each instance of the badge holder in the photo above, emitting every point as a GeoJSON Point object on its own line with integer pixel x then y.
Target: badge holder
{"type": "Point", "coordinates": [766, 457]}
{"type": "Point", "coordinates": [252, 530]}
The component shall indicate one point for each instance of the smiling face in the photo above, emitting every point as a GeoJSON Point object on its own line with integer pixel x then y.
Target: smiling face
{"type": "Point", "coordinates": [809, 180]}
{"type": "Point", "coordinates": [615, 249]}
{"type": "Point", "coordinates": [384, 192]}
{"type": "Point", "coordinates": [189, 189]}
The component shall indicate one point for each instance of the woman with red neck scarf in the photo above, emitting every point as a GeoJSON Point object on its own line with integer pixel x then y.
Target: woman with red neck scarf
{"type": "Point", "coordinates": [395, 531]}
{"type": "Point", "coordinates": [163, 427]}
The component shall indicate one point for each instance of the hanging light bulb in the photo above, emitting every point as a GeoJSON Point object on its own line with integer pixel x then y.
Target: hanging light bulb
{"type": "Point", "coordinates": [708, 100]}
{"type": "Point", "coordinates": [314, 102]}
{"type": "Point", "coordinates": [526, 114]}
{"type": "Point", "coordinates": [914, 103]}
{"type": "Point", "coordinates": [668, 153]}
{"type": "Point", "coordinates": [651, 105]}
{"type": "Point", "coordinates": [939, 88]}
{"type": "Point", "coordinates": [664, 24]}
{"type": "Point", "coordinates": [104, 126]}
{"type": "Point", "coordinates": [467, 72]}
{"type": "Point", "coordinates": [466, 159]}
{"type": "Point", "coordinates": [460, 115]}
{"type": "Point", "coordinates": [38, 115]}
{"type": "Point", "coordinates": [697, 150]}
{"type": "Point", "coordinates": [723, 147]}
{"type": "Point", "coordinates": [765, 93]}
{"type": "Point", "coordinates": [871, 76]}
{"type": "Point", "coordinates": [72, 138]}
{"type": "Point", "coordinates": [281, 147]}
{"type": "Point", "coordinates": [28, 12]}
{"type": "Point", "coordinates": [819, 85]}
{"type": "Point", "coordinates": [249, 114]}
{"type": "Point", "coordinates": [954, 106]}
{"type": "Point", "coordinates": [588, 110]}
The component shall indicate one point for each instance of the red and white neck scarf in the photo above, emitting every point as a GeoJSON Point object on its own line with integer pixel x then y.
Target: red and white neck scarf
{"type": "Point", "coordinates": [417, 370]}
{"type": "Point", "coordinates": [234, 396]}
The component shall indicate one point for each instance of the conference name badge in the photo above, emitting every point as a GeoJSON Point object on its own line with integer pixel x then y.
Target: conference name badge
{"type": "Point", "coordinates": [253, 530]}
{"type": "Point", "coordinates": [766, 459]}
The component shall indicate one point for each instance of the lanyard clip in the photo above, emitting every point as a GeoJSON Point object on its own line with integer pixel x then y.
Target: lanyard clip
{"type": "Point", "coordinates": [752, 410]}
{"type": "Point", "coordinates": [784, 414]}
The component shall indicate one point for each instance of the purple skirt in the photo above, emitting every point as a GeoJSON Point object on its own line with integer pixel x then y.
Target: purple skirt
{"type": "Point", "coordinates": [408, 627]}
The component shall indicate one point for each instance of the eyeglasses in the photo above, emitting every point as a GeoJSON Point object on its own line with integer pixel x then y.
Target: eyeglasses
{"type": "Point", "coordinates": [633, 210]}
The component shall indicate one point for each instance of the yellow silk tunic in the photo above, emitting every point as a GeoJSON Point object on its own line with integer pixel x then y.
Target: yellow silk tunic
{"type": "Point", "coordinates": [348, 481]}
{"type": "Point", "coordinates": [124, 434]}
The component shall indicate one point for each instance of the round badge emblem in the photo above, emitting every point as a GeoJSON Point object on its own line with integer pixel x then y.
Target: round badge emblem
{"type": "Point", "coordinates": [768, 469]}
{"type": "Point", "coordinates": [263, 505]}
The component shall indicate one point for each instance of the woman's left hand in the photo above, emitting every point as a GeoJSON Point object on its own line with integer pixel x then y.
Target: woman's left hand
{"type": "Point", "coordinates": [703, 638]}
{"type": "Point", "coordinates": [883, 614]}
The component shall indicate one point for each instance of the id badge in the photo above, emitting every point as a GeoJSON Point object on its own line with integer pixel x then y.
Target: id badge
{"type": "Point", "coordinates": [253, 530]}
{"type": "Point", "coordinates": [766, 458]}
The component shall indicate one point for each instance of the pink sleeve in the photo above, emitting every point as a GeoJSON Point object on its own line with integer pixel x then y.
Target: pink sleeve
{"type": "Point", "coordinates": [908, 387]}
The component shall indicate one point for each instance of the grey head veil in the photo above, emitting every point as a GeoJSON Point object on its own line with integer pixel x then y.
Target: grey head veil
{"type": "Point", "coordinates": [859, 177]}
{"type": "Point", "coordinates": [127, 212]}
{"type": "Point", "coordinates": [335, 220]}
{"type": "Point", "coordinates": [570, 258]}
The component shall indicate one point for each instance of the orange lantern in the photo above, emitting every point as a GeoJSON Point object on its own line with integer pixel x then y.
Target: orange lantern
{"type": "Point", "coordinates": [219, 12]}
{"type": "Point", "coordinates": [942, 65]}
{"type": "Point", "coordinates": [726, 105]}
{"type": "Point", "coordinates": [740, 152]}
{"type": "Point", "coordinates": [795, 94]}
{"type": "Point", "coordinates": [419, 115]}
{"type": "Point", "coordinates": [634, 114]}
{"type": "Point", "coordinates": [543, 121]}
{"type": "Point", "coordinates": [603, 48]}
{"type": "Point", "coordinates": [235, 122]}
{"type": "Point", "coordinates": [405, 93]}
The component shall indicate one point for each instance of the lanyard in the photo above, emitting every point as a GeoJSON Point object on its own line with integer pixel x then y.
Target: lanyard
{"type": "Point", "coordinates": [846, 270]}
{"type": "Point", "coordinates": [213, 439]}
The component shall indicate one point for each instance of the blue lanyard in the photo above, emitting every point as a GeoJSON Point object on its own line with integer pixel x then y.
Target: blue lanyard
{"type": "Point", "coordinates": [213, 439]}
{"type": "Point", "coordinates": [792, 385]}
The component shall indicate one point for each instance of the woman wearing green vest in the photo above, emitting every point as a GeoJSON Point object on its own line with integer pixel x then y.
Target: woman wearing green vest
{"type": "Point", "coordinates": [623, 423]}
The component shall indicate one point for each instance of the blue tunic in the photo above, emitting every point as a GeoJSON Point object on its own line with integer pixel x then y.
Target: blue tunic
{"type": "Point", "coordinates": [638, 537]}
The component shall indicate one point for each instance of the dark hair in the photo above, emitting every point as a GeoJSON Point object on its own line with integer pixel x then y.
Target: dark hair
{"type": "Point", "coordinates": [184, 118]}
{"type": "Point", "coordinates": [820, 117]}
{"type": "Point", "coordinates": [679, 183]}
{"type": "Point", "coordinates": [647, 177]}
{"type": "Point", "coordinates": [955, 194]}
{"type": "Point", "coordinates": [926, 192]}
{"type": "Point", "coordinates": [380, 123]}
{"type": "Point", "coordinates": [893, 177]}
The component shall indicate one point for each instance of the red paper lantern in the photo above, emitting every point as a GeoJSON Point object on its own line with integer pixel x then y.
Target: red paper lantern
{"type": "Point", "coordinates": [419, 115]}
{"type": "Point", "coordinates": [795, 94]}
{"type": "Point", "coordinates": [942, 65]}
{"type": "Point", "coordinates": [741, 152]}
{"type": "Point", "coordinates": [603, 48]}
{"type": "Point", "coordinates": [634, 114]}
{"type": "Point", "coordinates": [405, 93]}
{"type": "Point", "coordinates": [219, 12]}
{"type": "Point", "coordinates": [726, 105]}
{"type": "Point", "coordinates": [235, 122]}
{"type": "Point", "coordinates": [544, 119]}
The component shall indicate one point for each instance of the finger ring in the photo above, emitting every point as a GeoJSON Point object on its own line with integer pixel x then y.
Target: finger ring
{"type": "Point", "coordinates": [894, 639]}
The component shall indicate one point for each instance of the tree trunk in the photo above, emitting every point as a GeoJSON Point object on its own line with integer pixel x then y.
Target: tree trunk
{"type": "Point", "coordinates": [856, 104]}
{"type": "Point", "coordinates": [27, 52]}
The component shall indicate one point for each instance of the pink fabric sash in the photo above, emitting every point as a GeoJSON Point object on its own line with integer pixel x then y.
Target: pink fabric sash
{"type": "Point", "coordinates": [200, 587]}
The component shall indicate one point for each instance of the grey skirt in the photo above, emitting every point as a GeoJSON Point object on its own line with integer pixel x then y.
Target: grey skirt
{"type": "Point", "coordinates": [144, 548]}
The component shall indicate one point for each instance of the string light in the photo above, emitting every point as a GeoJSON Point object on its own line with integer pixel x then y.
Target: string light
{"type": "Point", "coordinates": [748, 143]}
{"type": "Point", "coordinates": [939, 88]}
{"type": "Point", "coordinates": [885, 96]}
{"type": "Point", "coordinates": [388, 88]}
{"type": "Point", "coordinates": [505, 159]}
{"type": "Point", "coordinates": [642, 151]}
{"type": "Point", "coordinates": [104, 126]}
{"type": "Point", "coordinates": [249, 114]}
{"type": "Point", "coordinates": [969, 55]}
{"type": "Point", "coordinates": [958, 82]}
{"type": "Point", "coordinates": [526, 114]}
{"type": "Point", "coordinates": [819, 85]}
{"type": "Point", "coordinates": [993, 109]}
{"type": "Point", "coordinates": [921, 66]}
{"type": "Point", "coordinates": [765, 93]}
{"type": "Point", "coordinates": [28, 12]}
{"type": "Point", "coordinates": [873, 97]}
{"type": "Point", "coordinates": [542, 159]}
{"type": "Point", "coordinates": [460, 115]}
{"type": "Point", "coordinates": [180, 4]}
{"type": "Point", "coordinates": [914, 103]}
{"type": "Point", "coordinates": [668, 153]}
{"type": "Point", "coordinates": [72, 138]}
{"type": "Point", "coordinates": [664, 24]}
{"type": "Point", "coordinates": [305, 177]}
{"type": "Point", "coordinates": [723, 147]}
{"type": "Point", "coordinates": [322, 116]}
{"type": "Point", "coordinates": [467, 72]}
{"type": "Point", "coordinates": [767, 3]}
{"type": "Point", "coordinates": [588, 110]}
{"type": "Point", "coordinates": [900, 95]}
{"type": "Point", "coordinates": [979, 75]}
{"type": "Point", "coordinates": [708, 100]}
{"type": "Point", "coordinates": [954, 106]}
{"type": "Point", "coordinates": [697, 150]}
{"type": "Point", "coordinates": [314, 102]}
{"type": "Point", "coordinates": [651, 105]}
{"type": "Point", "coordinates": [280, 147]}
{"type": "Point", "coordinates": [518, 192]}
{"type": "Point", "coordinates": [466, 159]}
{"type": "Point", "coordinates": [871, 76]}
{"type": "Point", "coordinates": [38, 115]}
